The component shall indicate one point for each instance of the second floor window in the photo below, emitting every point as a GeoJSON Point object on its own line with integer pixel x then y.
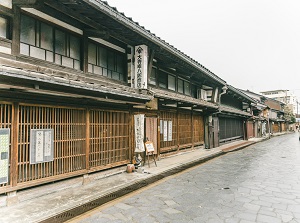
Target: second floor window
{"type": "Point", "coordinates": [184, 87]}
{"type": "Point", "coordinates": [3, 27]}
{"type": "Point", "coordinates": [106, 62]}
{"type": "Point", "coordinates": [46, 42]}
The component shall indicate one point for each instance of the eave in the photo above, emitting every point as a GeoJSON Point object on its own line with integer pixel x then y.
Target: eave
{"type": "Point", "coordinates": [98, 15]}
{"type": "Point", "coordinates": [29, 76]}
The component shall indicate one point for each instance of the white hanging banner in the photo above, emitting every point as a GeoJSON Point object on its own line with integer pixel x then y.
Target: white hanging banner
{"type": "Point", "coordinates": [4, 155]}
{"type": "Point", "coordinates": [139, 133]}
{"type": "Point", "coordinates": [165, 131]}
{"type": "Point", "coordinates": [170, 130]}
{"type": "Point", "coordinates": [141, 67]}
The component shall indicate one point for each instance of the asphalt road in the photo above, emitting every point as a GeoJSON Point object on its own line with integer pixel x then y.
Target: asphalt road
{"type": "Point", "coordinates": [260, 183]}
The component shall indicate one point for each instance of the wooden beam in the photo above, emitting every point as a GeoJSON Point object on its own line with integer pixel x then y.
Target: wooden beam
{"type": "Point", "coordinates": [25, 2]}
{"type": "Point", "coordinates": [75, 15]}
{"type": "Point", "coordinates": [97, 33]}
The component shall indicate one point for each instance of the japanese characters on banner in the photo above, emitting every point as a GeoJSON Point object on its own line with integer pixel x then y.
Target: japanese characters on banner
{"type": "Point", "coordinates": [4, 155]}
{"type": "Point", "coordinates": [170, 131]}
{"type": "Point", "coordinates": [139, 133]}
{"type": "Point", "coordinates": [41, 145]}
{"type": "Point", "coordinates": [166, 129]}
{"type": "Point", "coordinates": [141, 67]}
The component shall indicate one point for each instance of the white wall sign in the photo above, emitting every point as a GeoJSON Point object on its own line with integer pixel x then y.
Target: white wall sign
{"type": "Point", "coordinates": [170, 130]}
{"type": "Point", "coordinates": [4, 155]}
{"type": "Point", "coordinates": [41, 145]}
{"type": "Point", "coordinates": [139, 133]}
{"type": "Point", "coordinates": [165, 131]}
{"type": "Point", "coordinates": [141, 67]}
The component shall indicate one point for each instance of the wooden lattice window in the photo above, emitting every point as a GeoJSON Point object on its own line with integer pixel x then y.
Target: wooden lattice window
{"type": "Point", "coordinates": [69, 141]}
{"type": "Point", "coordinates": [109, 138]}
{"type": "Point", "coordinates": [185, 130]}
{"type": "Point", "coordinates": [198, 125]}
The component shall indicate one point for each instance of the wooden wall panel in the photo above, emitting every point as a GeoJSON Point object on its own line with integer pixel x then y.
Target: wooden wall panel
{"type": "Point", "coordinates": [184, 128]}
{"type": "Point", "coordinates": [109, 138]}
{"type": "Point", "coordinates": [169, 145]}
{"type": "Point", "coordinates": [275, 128]}
{"type": "Point", "coordinates": [6, 122]}
{"type": "Point", "coordinates": [198, 123]}
{"type": "Point", "coordinates": [69, 141]}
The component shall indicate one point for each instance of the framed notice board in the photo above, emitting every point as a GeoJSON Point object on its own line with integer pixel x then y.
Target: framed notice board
{"type": "Point", "coordinates": [150, 151]}
{"type": "Point", "coordinates": [149, 147]}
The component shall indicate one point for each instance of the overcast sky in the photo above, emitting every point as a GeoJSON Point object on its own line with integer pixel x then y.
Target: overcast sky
{"type": "Point", "coordinates": [251, 44]}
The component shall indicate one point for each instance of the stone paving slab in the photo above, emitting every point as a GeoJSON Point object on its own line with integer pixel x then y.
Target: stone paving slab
{"type": "Point", "coordinates": [49, 205]}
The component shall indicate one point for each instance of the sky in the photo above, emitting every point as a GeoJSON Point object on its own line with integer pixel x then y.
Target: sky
{"type": "Point", "coordinates": [251, 44]}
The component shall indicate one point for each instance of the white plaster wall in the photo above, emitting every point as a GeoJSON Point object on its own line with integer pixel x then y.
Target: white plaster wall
{"type": "Point", "coordinates": [6, 3]}
{"type": "Point", "coordinates": [5, 50]}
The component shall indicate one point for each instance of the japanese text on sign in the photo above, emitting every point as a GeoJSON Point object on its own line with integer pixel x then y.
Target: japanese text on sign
{"type": "Point", "coordinates": [141, 67]}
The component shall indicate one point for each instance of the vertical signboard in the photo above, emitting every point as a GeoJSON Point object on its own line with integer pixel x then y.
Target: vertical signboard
{"type": "Point", "coordinates": [165, 131]}
{"type": "Point", "coordinates": [4, 155]}
{"type": "Point", "coordinates": [41, 145]}
{"type": "Point", "coordinates": [139, 133]}
{"type": "Point", "coordinates": [141, 67]}
{"type": "Point", "coordinates": [170, 130]}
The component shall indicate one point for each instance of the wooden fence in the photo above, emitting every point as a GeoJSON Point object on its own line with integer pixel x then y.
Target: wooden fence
{"type": "Point", "coordinates": [84, 140]}
{"type": "Point", "coordinates": [187, 131]}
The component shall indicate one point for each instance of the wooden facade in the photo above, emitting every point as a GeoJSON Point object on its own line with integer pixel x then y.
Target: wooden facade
{"type": "Point", "coordinates": [71, 69]}
{"type": "Point", "coordinates": [62, 71]}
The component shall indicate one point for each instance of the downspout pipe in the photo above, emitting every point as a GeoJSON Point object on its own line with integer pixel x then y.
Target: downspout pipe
{"type": "Point", "coordinates": [224, 91]}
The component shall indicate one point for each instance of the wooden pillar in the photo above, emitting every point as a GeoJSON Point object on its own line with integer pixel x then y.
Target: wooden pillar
{"type": "Point", "coordinates": [150, 62]}
{"type": "Point", "coordinates": [192, 128]}
{"type": "Point", "coordinates": [131, 134]}
{"type": "Point", "coordinates": [158, 135]}
{"type": "Point", "coordinates": [84, 58]}
{"type": "Point", "coordinates": [16, 31]}
{"type": "Point", "coordinates": [87, 139]}
{"type": "Point", "coordinates": [177, 135]}
{"type": "Point", "coordinates": [14, 145]}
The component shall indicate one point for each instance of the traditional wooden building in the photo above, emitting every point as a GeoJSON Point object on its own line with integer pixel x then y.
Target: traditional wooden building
{"type": "Point", "coordinates": [82, 87]}
{"type": "Point", "coordinates": [234, 113]}
{"type": "Point", "coordinates": [259, 121]}
{"type": "Point", "coordinates": [275, 115]}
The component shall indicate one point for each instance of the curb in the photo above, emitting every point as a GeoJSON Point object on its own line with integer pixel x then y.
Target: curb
{"type": "Point", "coordinates": [129, 188]}
{"type": "Point", "coordinates": [136, 185]}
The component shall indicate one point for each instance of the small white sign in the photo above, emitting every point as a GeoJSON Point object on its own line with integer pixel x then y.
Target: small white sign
{"type": "Point", "coordinates": [4, 154]}
{"type": "Point", "coordinates": [41, 145]}
{"type": "Point", "coordinates": [48, 144]}
{"type": "Point", "coordinates": [169, 130]}
{"type": "Point", "coordinates": [165, 131]}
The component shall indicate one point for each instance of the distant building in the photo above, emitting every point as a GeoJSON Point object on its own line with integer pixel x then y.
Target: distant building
{"type": "Point", "coordinates": [284, 96]}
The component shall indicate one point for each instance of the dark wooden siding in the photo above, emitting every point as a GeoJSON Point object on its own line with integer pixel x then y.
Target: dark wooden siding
{"type": "Point", "coordinates": [231, 129]}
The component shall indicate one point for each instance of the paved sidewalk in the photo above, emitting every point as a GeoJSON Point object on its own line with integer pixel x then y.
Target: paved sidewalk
{"type": "Point", "coordinates": [47, 205]}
